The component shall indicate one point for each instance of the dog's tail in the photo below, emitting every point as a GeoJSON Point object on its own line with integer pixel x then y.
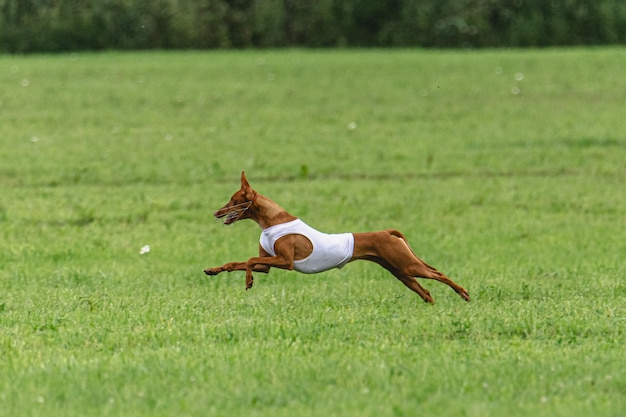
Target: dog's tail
{"type": "Point", "coordinates": [400, 235]}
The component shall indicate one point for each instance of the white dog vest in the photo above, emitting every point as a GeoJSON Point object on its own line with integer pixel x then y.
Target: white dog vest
{"type": "Point", "coordinates": [329, 250]}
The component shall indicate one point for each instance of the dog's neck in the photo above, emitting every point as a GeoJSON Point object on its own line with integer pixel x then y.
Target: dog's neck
{"type": "Point", "coordinates": [267, 213]}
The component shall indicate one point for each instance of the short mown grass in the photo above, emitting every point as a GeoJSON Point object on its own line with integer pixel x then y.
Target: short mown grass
{"type": "Point", "coordinates": [505, 169]}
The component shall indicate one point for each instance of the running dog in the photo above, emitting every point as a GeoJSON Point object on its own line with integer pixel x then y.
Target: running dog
{"type": "Point", "coordinates": [289, 243]}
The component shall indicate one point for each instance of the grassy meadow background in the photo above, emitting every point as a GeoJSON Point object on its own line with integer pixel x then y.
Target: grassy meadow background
{"type": "Point", "coordinates": [505, 169]}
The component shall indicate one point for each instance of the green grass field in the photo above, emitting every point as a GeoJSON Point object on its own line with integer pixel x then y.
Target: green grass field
{"type": "Point", "coordinates": [505, 169]}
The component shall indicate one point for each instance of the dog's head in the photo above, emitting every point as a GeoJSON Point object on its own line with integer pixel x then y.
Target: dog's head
{"type": "Point", "coordinates": [237, 208]}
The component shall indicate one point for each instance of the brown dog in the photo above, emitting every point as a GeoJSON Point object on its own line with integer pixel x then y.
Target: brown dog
{"type": "Point", "coordinates": [288, 243]}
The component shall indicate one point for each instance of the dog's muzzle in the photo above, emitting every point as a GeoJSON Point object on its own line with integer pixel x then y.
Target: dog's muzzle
{"type": "Point", "coordinates": [233, 213]}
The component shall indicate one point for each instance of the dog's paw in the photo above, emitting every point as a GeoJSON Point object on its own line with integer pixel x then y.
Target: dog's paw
{"type": "Point", "coordinates": [212, 271]}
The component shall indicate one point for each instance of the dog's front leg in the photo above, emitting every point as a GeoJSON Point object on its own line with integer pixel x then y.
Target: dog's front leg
{"type": "Point", "coordinates": [239, 266]}
{"type": "Point", "coordinates": [249, 278]}
{"type": "Point", "coordinates": [229, 267]}
{"type": "Point", "coordinates": [235, 266]}
{"type": "Point", "coordinates": [263, 264]}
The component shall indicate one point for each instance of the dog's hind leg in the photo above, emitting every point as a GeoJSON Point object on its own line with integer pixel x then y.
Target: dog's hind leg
{"type": "Point", "coordinates": [390, 249]}
{"type": "Point", "coordinates": [423, 270]}
{"type": "Point", "coordinates": [418, 268]}
{"type": "Point", "coordinates": [410, 281]}
{"type": "Point", "coordinates": [413, 285]}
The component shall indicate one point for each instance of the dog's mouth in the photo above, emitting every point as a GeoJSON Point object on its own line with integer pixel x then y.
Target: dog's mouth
{"type": "Point", "coordinates": [220, 215]}
{"type": "Point", "coordinates": [233, 213]}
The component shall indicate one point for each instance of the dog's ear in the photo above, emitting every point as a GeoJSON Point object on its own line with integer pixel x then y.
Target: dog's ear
{"type": "Point", "coordinates": [247, 191]}
{"type": "Point", "coordinates": [244, 181]}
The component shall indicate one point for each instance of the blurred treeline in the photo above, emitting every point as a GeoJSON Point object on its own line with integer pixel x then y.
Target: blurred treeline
{"type": "Point", "coordinates": [67, 25]}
